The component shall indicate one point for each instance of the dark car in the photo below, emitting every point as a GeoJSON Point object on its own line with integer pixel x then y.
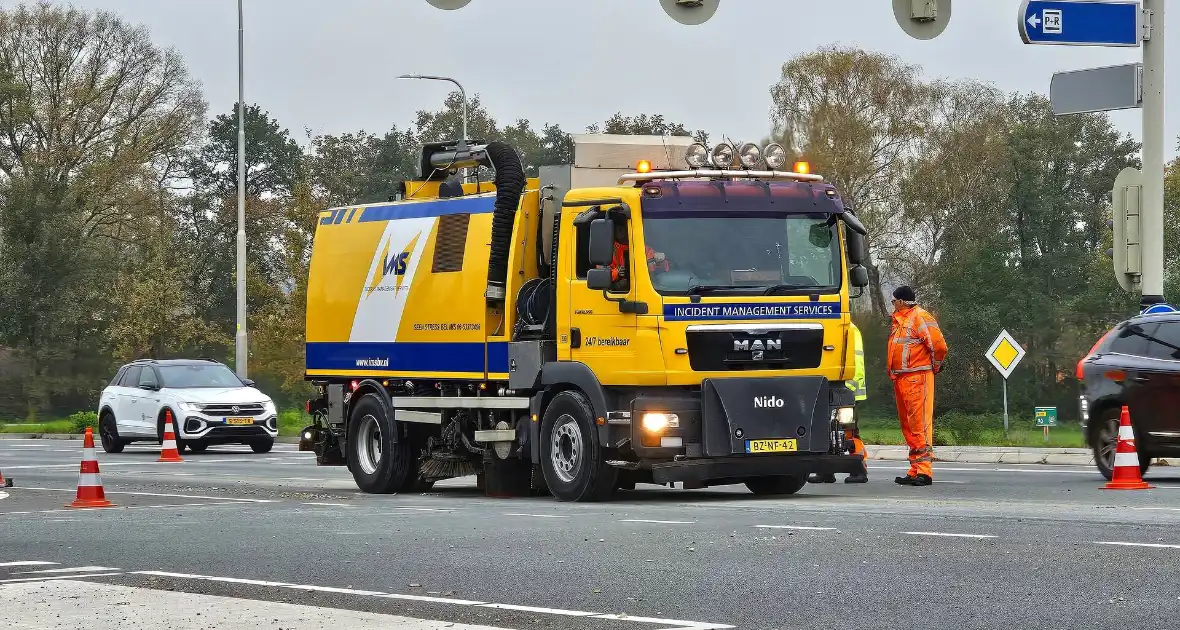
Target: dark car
{"type": "Point", "coordinates": [1136, 364]}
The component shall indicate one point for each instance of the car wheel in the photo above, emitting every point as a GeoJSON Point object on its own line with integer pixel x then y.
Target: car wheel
{"type": "Point", "coordinates": [775, 486]}
{"type": "Point", "coordinates": [198, 447]}
{"type": "Point", "coordinates": [262, 446]}
{"type": "Point", "coordinates": [379, 466]}
{"type": "Point", "coordinates": [108, 434]}
{"type": "Point", "coordinates": [571, 457]}
{"type": "Point", "coordinates": [1104, 442]}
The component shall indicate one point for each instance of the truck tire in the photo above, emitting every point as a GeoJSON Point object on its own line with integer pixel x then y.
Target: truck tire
{"type": "Point", "coordinates": [773, 486]}
{"type": "Point", "coordinates": [571, 457]}
{"type": "Point", "coordinates": [378, 465]}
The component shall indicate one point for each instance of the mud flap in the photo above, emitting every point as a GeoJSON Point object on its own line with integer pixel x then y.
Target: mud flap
{"type": "Point", "coordinates": [738, 410]}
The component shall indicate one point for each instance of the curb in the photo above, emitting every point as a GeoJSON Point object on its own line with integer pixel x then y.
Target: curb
{"type": "Point", "coordinates": [996, 455]}
{"type": "Point", "coordinates": [282, 439]}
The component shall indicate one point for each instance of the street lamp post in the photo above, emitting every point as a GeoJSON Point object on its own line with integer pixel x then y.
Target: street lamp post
{"type": "Point", "coordinates": [462, 94]}
{"type": "Point", "coordinates": [240, 347]}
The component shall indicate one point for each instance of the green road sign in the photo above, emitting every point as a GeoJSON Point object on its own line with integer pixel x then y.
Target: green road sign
{"type": "Point", "coordinates": [1046, 416]}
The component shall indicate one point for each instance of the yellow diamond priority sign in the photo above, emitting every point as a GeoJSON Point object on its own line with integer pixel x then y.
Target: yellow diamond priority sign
{"type": "Point", "coordinates": [1005, 354]}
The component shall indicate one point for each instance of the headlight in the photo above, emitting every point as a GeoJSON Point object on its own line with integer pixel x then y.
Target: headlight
{"type": "Point", "coordinates": [723, 155]}
{"type": "Point", "coordinates": [269, 407]}
{"type": "Point", "coordinates": [844, 415]}
{"type": "Point", "coordinates": [776, 156]}
{"type": "Point", "coordinates": [697, 156]}
{"type": "Point", "coordinates": [656, 422]}
{"type": "Point", "coordinates": [750, 155]}
{"type": "Point", "coordinates": [187, 406]}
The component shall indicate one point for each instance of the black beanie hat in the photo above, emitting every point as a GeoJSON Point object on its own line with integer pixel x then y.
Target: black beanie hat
{"type": "Point", "coordinates": [905, 294]}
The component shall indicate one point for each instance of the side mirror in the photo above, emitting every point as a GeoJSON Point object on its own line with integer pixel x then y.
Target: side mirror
{"type": "Point", "coordinates": [248, 382]}
{"type": "Point", "coordinates": [858, 276]}
{"type": "Point", "coordinates": [149, 387]}
{"type": "Point", "coordinates": [855, 244]}
{"type": "Point", "coordinates": [598, 279]}
{"type": "Point", "coordinates": [602, 242]}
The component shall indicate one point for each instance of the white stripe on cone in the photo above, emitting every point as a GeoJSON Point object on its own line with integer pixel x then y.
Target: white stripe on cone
{"type": "Point", "coordinates": [1126, 433]}
{"type": "Point", "coordinates": [88, 455]}
{"type": "Point", "coordinates": [89, 480]}
{"type": "Point", "coordinates": [1126, 459]}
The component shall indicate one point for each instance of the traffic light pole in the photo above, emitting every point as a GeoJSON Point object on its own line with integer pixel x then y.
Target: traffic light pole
{"type": "Point", "coordinates": [1151, 219]}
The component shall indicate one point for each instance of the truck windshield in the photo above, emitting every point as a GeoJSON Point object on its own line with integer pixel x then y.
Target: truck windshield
{"type": "Point", "coordinates": [747, 253]}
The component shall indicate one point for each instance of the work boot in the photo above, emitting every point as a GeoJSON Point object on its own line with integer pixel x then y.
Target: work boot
{"type": "Point", "coordinates": [818, 478]}
{"type": "Point", "coordinates": [914, 480]}
{"type": "Point", "coordinates": [860, 477]}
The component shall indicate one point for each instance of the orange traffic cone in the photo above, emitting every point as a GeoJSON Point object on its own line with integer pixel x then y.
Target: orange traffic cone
{"type": "Point", "coordinates": [168, 451]}
{"type": "Point", "coordinates": [90, 494]}
{"type": "Point", "coordinates": [5, 483]}
{"type": "Point", "coordinates": [1125, 475]}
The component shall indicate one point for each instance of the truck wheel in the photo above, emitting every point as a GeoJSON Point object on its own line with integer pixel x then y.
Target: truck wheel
{"type": "Point", "coordinates": [771, 486]}
{"type": "Point", "coordinates": [378, 465]}
{"type": "Point", "coordinates": [571, 457]}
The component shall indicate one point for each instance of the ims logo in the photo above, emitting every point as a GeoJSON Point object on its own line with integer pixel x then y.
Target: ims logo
{"type": "Point", "coordinates": [395, 264]}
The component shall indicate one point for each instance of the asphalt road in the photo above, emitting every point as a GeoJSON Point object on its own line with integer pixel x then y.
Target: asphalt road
{"type": "Point", "coordinates": [296, 546]}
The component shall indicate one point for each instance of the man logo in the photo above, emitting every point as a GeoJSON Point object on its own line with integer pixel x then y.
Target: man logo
{"type": "Point", "coordinates": [755, 345]}
{"type": "Point", "coordinates": [768, 402]}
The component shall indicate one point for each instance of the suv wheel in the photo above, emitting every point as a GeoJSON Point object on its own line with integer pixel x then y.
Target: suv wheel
{"type": "Point", "coordinates": [108, 433]}
{"type": "Point", "coordinates": [262, 446]}
{"type": "Point", "coordinates": [1104, 438]}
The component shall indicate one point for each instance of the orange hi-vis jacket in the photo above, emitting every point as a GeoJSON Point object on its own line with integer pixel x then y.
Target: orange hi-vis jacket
{"type": "Point", "coordinates": [915, 344]}
{"type": "Point", "coordinates": [619, 262]}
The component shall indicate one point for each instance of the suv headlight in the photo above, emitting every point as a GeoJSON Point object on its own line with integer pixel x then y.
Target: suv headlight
{"type": "Point", "coordinates": [187, 406]}
{"type": "Point", "coordinates": [269, 407]}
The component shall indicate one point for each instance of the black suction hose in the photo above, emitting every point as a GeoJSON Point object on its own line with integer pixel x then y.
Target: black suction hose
{"type": "Point", "coordinates": [510, 182]}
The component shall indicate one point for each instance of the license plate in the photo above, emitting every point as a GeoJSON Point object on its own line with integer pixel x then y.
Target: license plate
{"type": "Point", "coordinates": [239, 420]}
{"type": "Point", "coordinates": [772, 446]}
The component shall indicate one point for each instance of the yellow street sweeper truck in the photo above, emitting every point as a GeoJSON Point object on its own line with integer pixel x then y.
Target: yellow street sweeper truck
{"type": "Point", "coordinates": [659, 311]}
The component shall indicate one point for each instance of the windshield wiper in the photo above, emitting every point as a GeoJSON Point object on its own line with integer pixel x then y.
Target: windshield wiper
{"type": "Point", "coordinates": [771, 290]}
{"type": "Point", "coordinates": [696, 289]}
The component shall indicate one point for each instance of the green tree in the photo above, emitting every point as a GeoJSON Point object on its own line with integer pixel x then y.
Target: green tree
{"type": "Point", "coordinates": [94, 120]}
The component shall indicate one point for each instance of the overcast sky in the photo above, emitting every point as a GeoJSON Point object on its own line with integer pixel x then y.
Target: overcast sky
{"type": "Point", "coordinates": [329, 64]}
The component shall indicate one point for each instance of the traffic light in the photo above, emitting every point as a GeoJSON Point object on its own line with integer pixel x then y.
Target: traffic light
{"type": "Point", "coordinates": [1126, 252]}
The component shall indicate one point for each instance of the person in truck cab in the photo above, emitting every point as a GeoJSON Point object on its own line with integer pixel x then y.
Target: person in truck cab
{"type": "Point", "coordinates": [656, 261]}
{"type": "Point", "coordinates": [917, 351]}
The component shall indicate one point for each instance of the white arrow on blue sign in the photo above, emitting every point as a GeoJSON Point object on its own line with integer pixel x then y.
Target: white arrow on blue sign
{"type": "Point", "coordinates": [1081, 22]}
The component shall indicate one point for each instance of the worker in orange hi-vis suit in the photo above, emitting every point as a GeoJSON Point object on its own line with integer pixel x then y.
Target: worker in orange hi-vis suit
{"type": "Point", "coordinates": [917, 351]}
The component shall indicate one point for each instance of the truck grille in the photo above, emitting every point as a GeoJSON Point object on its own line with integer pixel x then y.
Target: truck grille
{"type": "Point", "coordinates": [242, 410]}
{"type": "Point", "coordinates": [732, 348]}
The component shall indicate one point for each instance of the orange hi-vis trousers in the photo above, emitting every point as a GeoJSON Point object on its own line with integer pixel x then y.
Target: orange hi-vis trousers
{"type": "Point", "coordinates": [914, 392]}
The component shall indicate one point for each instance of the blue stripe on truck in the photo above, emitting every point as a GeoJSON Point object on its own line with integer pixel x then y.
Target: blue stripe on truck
{"type": "Point", "coordinates": [407, 356]}
{"type": "Point", "coordinates": [424, 209]}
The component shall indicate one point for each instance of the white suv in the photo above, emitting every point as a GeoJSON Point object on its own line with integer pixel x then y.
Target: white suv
{"type": "Point", "coordinates": [209, 403]}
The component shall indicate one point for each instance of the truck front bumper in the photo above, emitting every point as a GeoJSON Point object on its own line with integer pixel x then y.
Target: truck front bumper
{"type": "Point", "coordinates": [746, 466]}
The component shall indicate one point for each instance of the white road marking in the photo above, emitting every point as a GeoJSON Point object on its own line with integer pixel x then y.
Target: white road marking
{"type": "Point", "coordinates": [949, 535]}
{"type": "Point", "coordinates": [105, 464]}
{"type": "Point", "coordinates": [644, 520]}
{"type": "Point", "coordinates": [535, 515]}
{"type": "Point", "coordinates": [160, 494]}
{"type": "Point", "coordinates": [803, 527]}
{"type": "Point", "coordinates": [46, 578]}
{"type": "Point", "coordinates": [69, 570]}
{"type": "Point", "coordinates": [344, 505]}
{"type": "Point", "coordinates": [27, 563]}
{"type": "Point", "coordinates": [669, 623]}
{"type": "Point", "coordinates": [425, 509]}
{"type": "Point", "coordinates": [1031, 468]}
{"type": "Point", "coordinates": [1131, 544]}
{"type": "Point", "coordinates": [99, 606]}
{"type": "Point", "coordinates": [3, 495]}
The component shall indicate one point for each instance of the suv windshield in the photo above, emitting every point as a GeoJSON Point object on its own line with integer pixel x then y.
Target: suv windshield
{"type": "Point", "coordinates": [725, 251]}
{"type": "Point", "coordinates": [184, 376]}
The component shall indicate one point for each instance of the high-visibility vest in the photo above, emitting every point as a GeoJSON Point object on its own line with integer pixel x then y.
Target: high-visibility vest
{"type": "Point", "coordinates": [857, 384]}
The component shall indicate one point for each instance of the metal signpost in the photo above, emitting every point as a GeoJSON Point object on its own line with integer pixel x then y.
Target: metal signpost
{"type": "Point", "coordinates": [1046, 417]}
{"type": "Point", "coordinates": [1005, 354]}
{"type": "Point", "coordinates": [1138, 197]}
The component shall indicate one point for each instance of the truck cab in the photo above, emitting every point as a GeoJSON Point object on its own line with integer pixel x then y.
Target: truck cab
{"type": "Point", "coordinates": [679, 324]}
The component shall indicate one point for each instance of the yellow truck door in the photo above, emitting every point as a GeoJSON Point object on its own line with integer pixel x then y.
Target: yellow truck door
{"type": "Point", "coordinates": [601, 335]}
